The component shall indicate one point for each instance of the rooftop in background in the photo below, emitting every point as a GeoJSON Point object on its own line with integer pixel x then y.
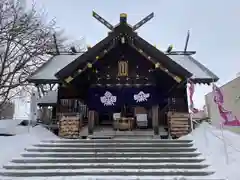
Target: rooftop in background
{"type": "Point", "coordinates": [50, 99]}
{"type": "Point", "coordinates": [46, 73]}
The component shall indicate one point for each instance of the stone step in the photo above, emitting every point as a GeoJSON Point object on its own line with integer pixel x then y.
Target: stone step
{"type": "Point", "coordinates": [108, 160]}
{"type": "Point", "coordinates": [110, 154]}
{"type": "Point", "coordinates": [111, 149]}
{"type": "Point", "coordinates": [117, 141]}
{"type": "Point", "coordinates": [114, 178]}
{"type": "Point", "coordinates": [97, 144]}
{"type": "Point", "coordinates": [106, 172]}
{"type": "Point", "coordinates": [107, 165]}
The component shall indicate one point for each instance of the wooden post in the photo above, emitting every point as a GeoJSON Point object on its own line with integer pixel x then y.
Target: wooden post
{"type": "Point", "coordinates": [155, 122]}
{"type": "Point", "coordinates": [190, 121]}
{"type": "Point", "coordinates": [96, 119]}
{"type": "Point", "coordinates": [90, 122]}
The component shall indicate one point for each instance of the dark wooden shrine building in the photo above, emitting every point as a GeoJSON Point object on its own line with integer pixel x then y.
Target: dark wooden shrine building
{"type": "Point", "coordinates": [124, 80]}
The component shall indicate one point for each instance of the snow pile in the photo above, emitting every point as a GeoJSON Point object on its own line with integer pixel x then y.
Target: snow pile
{"type": "Point", "coordinates": [220, 148]}
{"type": "Point", "coordinates": [11, 126]}
{"type": "Point", "coordinates": [12, 146]}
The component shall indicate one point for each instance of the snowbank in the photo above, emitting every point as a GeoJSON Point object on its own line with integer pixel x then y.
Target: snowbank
{"type": "Point", "coordinates": [10, 126]}
{"type": "Point", "coordinates": [224, 157]}
{"type": "Point", "coordinates": [12, 146]}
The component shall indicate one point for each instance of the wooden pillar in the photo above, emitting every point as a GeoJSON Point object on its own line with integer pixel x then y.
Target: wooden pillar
{"type": "Point", "coordinates": [96, 118]}
{"type": "Point", "coordinates": [54, 112]}
{"type": "Point", "coordinates": [190, 123]}
{"type": "Point", "coordinates": [155, 122]}
{"type": "Point", "coordinates": [45, 115]}
{"type": "Point", "coordinates": [91, 116]}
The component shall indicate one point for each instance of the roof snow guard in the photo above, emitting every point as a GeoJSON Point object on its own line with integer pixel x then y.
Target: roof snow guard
{"type": "Point", "coordinates": [62, 67]}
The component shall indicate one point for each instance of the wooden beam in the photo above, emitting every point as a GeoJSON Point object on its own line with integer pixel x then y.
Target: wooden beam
{"type": "Point", "coordinates": [89, 64]}
{"type": "Point", "coordinates": [103, 21]}
{"type": "Point", "coordinates": [155, 121]}
{"type": "Point", "coordinates": [143, 21]}
{"type": "Point", "coordinates": [158, 65]}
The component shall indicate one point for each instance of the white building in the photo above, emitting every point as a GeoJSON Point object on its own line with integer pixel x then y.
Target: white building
{"type": "Point", "coordinates": [231, 93]}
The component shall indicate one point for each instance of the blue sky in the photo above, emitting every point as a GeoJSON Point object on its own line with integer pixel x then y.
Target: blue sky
{"type": "Point", "coordinates": [214, 26]}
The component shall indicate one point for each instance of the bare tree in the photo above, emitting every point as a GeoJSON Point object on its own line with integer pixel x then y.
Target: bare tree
{"type": "Point", "coordinates": [25, 41]}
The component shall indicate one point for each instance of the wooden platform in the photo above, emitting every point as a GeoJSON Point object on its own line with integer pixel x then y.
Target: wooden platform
{"type": "Point", "coordinates": [102, 131]}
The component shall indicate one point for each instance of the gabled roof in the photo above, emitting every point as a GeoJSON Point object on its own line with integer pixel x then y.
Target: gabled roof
{"type": "Point", "coordinates": [72, 66]}
{"type": "Point", "coordinates": [161, 57]}
{"type": "Point", "coordinates": [132, 39]}
{"type": "Point", "coordinates": [200, 74]}
{"type": "Point", "coordinates": [183, 65]}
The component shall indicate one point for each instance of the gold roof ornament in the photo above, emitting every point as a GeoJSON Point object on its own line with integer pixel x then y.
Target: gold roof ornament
{"type": "Point", "coordinates": [123, 15]}
{"type": "Point", "coordinates": [89, 65]}
{"type": "Point", "coordinates": [68, 79]}
{"type": "Point", "coordinates": [157, 65]}
{"type": "Point", "coordinates": [178, 79]}
{"type": "Point", "coordinates": [123, 18]}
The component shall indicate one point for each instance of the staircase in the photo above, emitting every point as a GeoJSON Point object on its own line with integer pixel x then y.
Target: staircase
{"type": "Point", "coordinates": [109, 159]}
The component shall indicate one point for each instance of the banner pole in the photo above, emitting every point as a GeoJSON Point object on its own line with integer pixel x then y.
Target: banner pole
{"type": "Point", "coordinates": [205, 135]}
{"type": "Point", "coordinates": [224, 145]}
{"type": "Point", "coordinates": [218, 99]}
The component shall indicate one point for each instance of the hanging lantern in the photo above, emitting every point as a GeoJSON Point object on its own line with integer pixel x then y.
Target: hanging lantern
{"type": "Point", "coordinates": [89, 65]}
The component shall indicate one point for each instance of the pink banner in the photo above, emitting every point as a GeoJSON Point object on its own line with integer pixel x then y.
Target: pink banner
{"type": "Point", "coordinates": [191, 93]}
{"type": "Point", "coordinates": [228, 117]}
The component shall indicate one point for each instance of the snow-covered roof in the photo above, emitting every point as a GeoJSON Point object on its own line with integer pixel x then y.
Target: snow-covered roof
{"type": "Point", "coordinates": [49, 98]}
{"type": "Point", "coordinates": [52, 66]}
{"type": "Point", "coordinates": [198, 70]}
{"type": "Point", "coordinates": [55, 64]}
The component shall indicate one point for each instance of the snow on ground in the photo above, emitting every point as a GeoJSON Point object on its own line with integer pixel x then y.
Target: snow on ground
{"type": "Point", "coordinates": [220, 148]}
{"type": "Point", "coordinates": [12, 146]}
{"type": "Point", "coordinates": [207, 139]}
{"type": "Point", "coordinates": [10, 126]}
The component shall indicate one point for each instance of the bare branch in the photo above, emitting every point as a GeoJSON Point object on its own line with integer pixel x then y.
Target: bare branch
{"type": "Point", "coordinates": [25, 41]}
